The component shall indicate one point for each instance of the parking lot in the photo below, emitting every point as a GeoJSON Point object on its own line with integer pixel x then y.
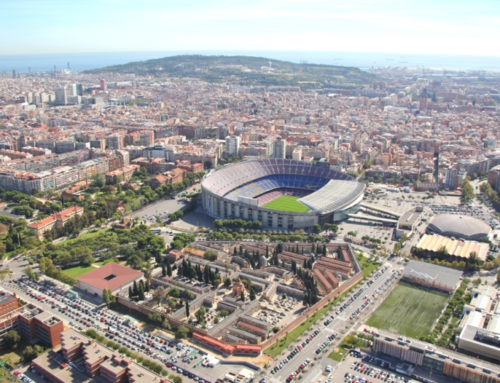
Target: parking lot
{"type": "Point", "coordinates": [365, 368]}
{"type": "Point", "coordinates": [184, 360]}
{"type": "Point", "coordinates": [161, 208]}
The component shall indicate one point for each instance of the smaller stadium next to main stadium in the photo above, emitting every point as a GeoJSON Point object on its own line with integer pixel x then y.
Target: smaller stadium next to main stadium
{"type": "Point", "coordinates": [459, 226]}
{"type": "Point", "coordinates": [255, 190]}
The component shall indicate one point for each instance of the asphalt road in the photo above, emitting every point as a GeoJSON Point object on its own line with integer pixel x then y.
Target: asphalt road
{"type": "Point", "coordinates": [337, 326]}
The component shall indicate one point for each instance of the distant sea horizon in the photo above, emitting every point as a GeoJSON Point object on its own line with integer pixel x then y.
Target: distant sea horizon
{"type": "Point", "coordinates": [362, 60]}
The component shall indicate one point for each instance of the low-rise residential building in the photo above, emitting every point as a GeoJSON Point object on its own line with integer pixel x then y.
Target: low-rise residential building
{"type": "Point", "coordinates": [61, 218]}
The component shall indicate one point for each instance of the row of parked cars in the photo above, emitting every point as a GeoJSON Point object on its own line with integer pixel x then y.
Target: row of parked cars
{"type": "Point", "coordinates": [23, 378]}
{"type": "Point", "coordinates": [361, 290]}
{"type": "Point", "coordinates": [325, 344]}
{"type": "Point", "coordinates": [298, 371]}
{"type": "Point", "coordinates": [295, 351]}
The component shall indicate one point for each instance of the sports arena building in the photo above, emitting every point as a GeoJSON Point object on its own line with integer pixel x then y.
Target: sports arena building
{"type": "Point", "coordinates": [246, 189]}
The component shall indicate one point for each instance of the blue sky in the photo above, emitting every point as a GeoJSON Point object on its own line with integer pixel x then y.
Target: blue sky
{"type": "Point", "coordinates": [400, 26]}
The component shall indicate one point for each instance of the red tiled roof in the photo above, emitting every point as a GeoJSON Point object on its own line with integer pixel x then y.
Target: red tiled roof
{"type": "Point", "coordinates": [42, 223]}
{"type": "Point", "coordinates": [228, 349]}
{"type": "Point", "coordinates": [123, 275]}
{"type": "Point", "coordinates": [248, 347]}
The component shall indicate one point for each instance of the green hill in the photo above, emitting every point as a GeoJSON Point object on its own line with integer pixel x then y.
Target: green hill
{"type": "Point", "coordinates": [246, 70]}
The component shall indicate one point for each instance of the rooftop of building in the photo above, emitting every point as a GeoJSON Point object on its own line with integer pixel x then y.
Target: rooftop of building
{"type": "Point", "coordinates": [430, 273]}
{"type": "Point", "coordinates": [53, 363]}
{"type": "Point", "coordinates": [110, 276]}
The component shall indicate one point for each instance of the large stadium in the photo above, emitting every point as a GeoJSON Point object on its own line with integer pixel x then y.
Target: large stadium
{"type": "Point", "coordinates": [282, 194]}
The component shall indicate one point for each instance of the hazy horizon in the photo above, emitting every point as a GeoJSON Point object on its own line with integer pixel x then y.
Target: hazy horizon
{"type": "Point", "coordinates": [362, 60]}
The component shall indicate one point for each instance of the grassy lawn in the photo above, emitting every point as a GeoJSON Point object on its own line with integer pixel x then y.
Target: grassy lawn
{"type": "Point", "coordinates": [12, 357]}
{"type": "Point", "coordinates": [87, 235]}
{"type": "Point", "coordinates": [339, 352]}
{"type": "Point", "coordinates": [5, 376]}
{"type": "Point", "coordinates": [78, 271]}
{"type": "Point", "coordinates": [366, 264]}
{"type": "Point", "coordinates": [350, 341]}
{"type": "Point", "coordinates": [287, 203]}
{"type": "Point", "coordinates": [409, 310]}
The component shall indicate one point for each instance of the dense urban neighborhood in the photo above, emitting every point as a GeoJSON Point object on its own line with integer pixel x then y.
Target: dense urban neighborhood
{"type": "Point", "coordinates": [237, 219]}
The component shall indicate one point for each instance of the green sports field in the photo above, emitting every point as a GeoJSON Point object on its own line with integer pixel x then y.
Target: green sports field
{"type": "Point", "coordinates": [409, 310]}
{"type": "Point", "coordinates": [287, 203]}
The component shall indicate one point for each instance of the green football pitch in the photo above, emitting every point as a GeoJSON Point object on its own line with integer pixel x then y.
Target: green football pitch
{"type": "Point", "coordinates": [409, 310]}
{"type": "Point", "coordinates": [287, 203]}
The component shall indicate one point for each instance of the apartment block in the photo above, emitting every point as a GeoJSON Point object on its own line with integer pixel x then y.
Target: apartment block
{"type": "Point", "coordinates": [121, 175]}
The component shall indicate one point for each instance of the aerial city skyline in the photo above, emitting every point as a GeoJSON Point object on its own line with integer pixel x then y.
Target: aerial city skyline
{"type": "Point", "coordinates": [272, 192]}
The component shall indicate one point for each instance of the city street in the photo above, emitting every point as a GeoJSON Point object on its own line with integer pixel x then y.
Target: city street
{"type": "Point", "coordinates": [340, 326]}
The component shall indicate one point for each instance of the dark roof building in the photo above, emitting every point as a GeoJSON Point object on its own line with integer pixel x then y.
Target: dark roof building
{"type": "Point", "coordinates": [427, 274]}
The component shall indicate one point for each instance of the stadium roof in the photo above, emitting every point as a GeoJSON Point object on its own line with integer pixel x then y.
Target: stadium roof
{"type": "Point", "coordinates": [430, 273]}
{"type": "Point", "coordinates": [333, 196]}
{"type": "Point", "coordinates": [460, 226]}
{"type": "Point", "coordinates": [230, 177]}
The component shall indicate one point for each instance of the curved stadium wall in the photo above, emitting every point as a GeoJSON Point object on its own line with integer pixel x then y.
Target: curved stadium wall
{"type": "Point", "coordinates": [241, 190]}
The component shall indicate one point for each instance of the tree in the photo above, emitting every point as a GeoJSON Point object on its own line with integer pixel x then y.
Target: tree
{"type": "Point", "coordinates": [105, 296]}
{"type": "Point", "coordinates": [135, 290]}
{"type": "Point", "coordinates": [216, 320]}
{"type": "Point", "coordinates": [163, 270]}
{"type": "Point", "coordinates": [200, 314]}
{"type": "Point", "coordinates": [175, 293]}
{"type": "Point", "coordinates": [140, 294]}
{"type": "Point", "coordinates": [227, 282]}
{"type": "Point", "coordinates": [148, 271]}
{"type": "Point", "coordinates": [187, 308]}
{"type": "Point", "coordinates": [159, 294]}
{"type": "Point", "coordinates": [169, 269]}
{"type": "Point", "coordinates": [156, 318]}
{"type": "Point", "coordinates": [89, 261]}
{"type": "Point", "coordinates": [130, 292]}
{"type": "Point", "coordinates": [242, 296]}
{"type": "Point", "coordinates": [223, 313]}
{"type": "Point", "coordinates": [31, 352]}
{"type": "Point", "coordinates": [182, 332]}
{"type": "Point", "coordinates": [98, 180]}
{"type": "Point", "coordinates": [316, 229]}
{"type": "Point", "coordinates": [166, 324]}
{"type": "Point", "coordinates": [11, 339]}
{"type": "Point", "coordinates": [252, 293]}
{"type": "Point", "coordinates": [177, 245]}
{"type": "Point", "coordinates": [210, 255]}
{"type": "Point", "coordinates": [31, 274]}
